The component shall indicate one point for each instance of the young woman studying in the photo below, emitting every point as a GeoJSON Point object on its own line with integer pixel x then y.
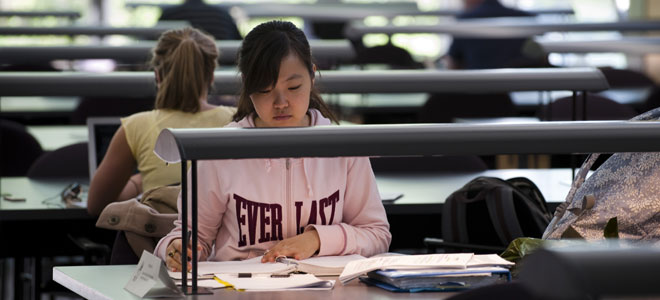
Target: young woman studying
{"type": "Point", "coordinates": [295, 207]}
{"type": "Point", "coordinates": [184, 61]}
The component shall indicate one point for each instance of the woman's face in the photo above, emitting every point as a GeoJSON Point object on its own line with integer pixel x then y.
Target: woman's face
{"type": "Point", "coordinates": [285, 104]}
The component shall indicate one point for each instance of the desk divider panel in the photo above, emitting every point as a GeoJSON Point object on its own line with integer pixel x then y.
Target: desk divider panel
{"type": "Point", "coordinates": [518, 27]}
{"type": "Point", "coordinates": [140, 52]}
{"type": "Point", "coordinates": [142, 84]}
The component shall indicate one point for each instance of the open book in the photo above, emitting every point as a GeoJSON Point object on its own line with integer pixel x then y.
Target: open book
{"type": "Point", "coordinates": [456, 261]}
{"type": "Point", "coordinates": [319, 265]}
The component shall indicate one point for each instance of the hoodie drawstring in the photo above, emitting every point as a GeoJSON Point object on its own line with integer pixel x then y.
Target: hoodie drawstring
{"type": "Point", "coordinates": [310, 192]}
{"type": "Point", "coordinates": [268, 164]}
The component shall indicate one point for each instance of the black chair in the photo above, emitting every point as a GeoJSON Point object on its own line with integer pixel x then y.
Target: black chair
{"type": "Point", "coordinates": [66, 162]}
{"type": "Point", "coordinates": [388, 54]}
{"type": "Point", "coordinates": [598, 108]}
{"type": "Point", "coordinates": [621, 79]}
{"type": "Point", "coordinates": [211, 19]}
{"type": "Point", "coordinates": [445, 107]}
{"type": "Point", "coordinates": [625, 78]}
{"type": "Point", "coordinates": [19, 149]}
{"type": "Point", "coordinates": [69, 161]}
{"type": "Point", "coordinates": [652, 101]}
{"type": "Point", "coordinates": [122, 253]}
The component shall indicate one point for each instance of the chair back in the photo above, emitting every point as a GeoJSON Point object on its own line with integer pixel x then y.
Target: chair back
{"type": "Point", "coordinates": [598, 108]}
{"type": "Point", "coordinates": [625, 78]}
{"type": "Point", "coordinates": [19, 149]}
{"type": "Point", "coordinates": [390, 55]}
{"type": "Point", "coordinates": [653, 100]}
{"type": "Point", "coordinates": [69, 161]}
{"type": "Point", "coordinates": [445, 107]}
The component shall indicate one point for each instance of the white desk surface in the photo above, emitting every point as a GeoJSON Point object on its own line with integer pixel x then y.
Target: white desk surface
{"type": "Point", "coordinates": [38, 104]}
{"type": "Point", "coordinates": [421, 188]}
{"type": "Point", "coordinates": [42, 199]}
{"type": "Point", "coordinates": [435, 188]}
{"type": "Point", "coordinates": [54, 137]}
{"type": "Point", "coordinates": [107, 282]}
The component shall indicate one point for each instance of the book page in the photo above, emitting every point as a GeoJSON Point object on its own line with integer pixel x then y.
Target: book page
{"type": "Point", "coordinates": [331, 261]}
{"type": "Point", "coordinates": [488, 260]}
{"type": "Point", "coordinates": [206, 269]}
{"type": "Point", "coordinates": [356, 268]}
{"type": "Point", "coordinates": [325, 265]}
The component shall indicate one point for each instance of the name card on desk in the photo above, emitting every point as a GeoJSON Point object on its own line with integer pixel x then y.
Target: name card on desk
{"type": "Point", "coordinates": [151, 279]}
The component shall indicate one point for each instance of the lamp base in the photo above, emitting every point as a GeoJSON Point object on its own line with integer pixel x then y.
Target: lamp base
{"type": "Point", "coordinates": [200, 291]}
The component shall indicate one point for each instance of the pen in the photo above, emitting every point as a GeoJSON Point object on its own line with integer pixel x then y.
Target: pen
{"type": "Point", "coordinates": [249, 275]}
{"type": "Point", "coordinates": [13, 199]}
{"type": "Point", "coordinates": [190, 243]}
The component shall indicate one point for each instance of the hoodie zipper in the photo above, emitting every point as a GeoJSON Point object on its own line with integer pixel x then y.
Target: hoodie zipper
{"type": "Point", "coordinates": [291, 213]}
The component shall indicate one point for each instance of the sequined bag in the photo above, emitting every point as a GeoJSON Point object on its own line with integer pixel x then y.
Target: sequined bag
{"type": "Point", "coordinates": [625, 186]}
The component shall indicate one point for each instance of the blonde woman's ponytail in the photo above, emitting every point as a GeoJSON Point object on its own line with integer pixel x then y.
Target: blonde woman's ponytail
{"type": "Point", "coordinates": [185, 60]}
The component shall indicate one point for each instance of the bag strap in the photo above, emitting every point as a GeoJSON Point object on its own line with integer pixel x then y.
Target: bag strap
{"type": "Point", "coordinates": [454, 221]}
{"type": "Point", "coordinates": [454, 217]}
{"type": "Point", "coordinates": [502, 213]}
{"type": "Point", "coordinates": [522, 184]}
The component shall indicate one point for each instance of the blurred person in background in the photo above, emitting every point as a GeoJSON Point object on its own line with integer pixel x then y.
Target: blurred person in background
{"type": "Point", "coordinates": [488, 53]}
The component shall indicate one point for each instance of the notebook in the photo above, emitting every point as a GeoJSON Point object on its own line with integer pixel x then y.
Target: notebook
{"type": "Point", "coordinates": [101, 130]}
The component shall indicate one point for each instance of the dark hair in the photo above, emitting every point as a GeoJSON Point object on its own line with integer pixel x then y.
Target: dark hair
{"type": "Point", "coordinates": [185, 60]}
{"type": "Point", "coordinates": [259, 62]}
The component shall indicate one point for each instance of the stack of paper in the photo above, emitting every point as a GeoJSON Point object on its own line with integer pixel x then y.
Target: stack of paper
{"type": "Point", "coordinates": [438, 272]}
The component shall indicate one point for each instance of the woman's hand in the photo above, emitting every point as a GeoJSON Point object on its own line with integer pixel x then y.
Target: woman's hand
{"type": "Point", "coordinates": [173, 251]}
{"type": "Point", "coordinates": [299, 247]}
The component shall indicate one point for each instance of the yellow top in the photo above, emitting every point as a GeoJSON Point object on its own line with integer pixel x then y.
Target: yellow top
{"type": "Point", "coordinates": [142, 130]}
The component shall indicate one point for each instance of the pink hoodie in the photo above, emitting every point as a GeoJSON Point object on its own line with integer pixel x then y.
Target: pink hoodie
{"type": "Point", "coordinates": [246, 206]}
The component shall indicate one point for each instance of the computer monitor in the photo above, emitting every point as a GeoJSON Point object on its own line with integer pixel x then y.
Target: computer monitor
{"type": "Point", "coordinates": [101, 130]}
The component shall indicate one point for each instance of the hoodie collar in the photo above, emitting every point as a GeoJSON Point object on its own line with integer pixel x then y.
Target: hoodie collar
{"type": "Point", "coordinates": [316, 119]}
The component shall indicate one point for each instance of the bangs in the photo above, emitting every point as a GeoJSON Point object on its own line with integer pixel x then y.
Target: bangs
{"type": "Point", "coordinates": [264, 64]}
